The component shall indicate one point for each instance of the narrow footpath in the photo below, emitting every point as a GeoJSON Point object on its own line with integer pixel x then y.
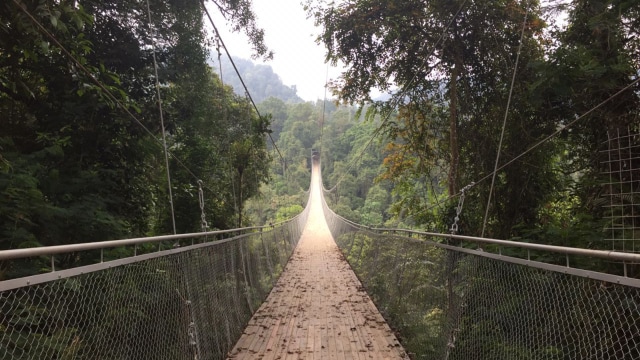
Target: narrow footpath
{"type": "Point", "coordinates": [318, 309]}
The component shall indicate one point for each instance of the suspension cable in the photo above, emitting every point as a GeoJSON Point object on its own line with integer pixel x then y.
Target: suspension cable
{"type": "Point", "coordinates": [215, 29]}
{"type": "Point", "coordinates": [561, 129]}
{"type": "Point", "coordinates": [548, 137]}
{"type": "Point", "coordinates": [504, 121]}
{"type": "Point", "coordinates": [164, 135]}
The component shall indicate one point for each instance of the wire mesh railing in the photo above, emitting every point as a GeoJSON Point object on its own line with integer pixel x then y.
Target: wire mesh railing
{"type": "Point", "coordinates": [452, 302]}
{"type": "Point", "coordinates": [188, 302]}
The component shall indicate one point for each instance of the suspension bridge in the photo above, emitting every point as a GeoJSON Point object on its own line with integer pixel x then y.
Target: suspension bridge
{"type": "Point", "coordinates": [289, 291]}
{"type": "Point", "coordinates": [319, 286]}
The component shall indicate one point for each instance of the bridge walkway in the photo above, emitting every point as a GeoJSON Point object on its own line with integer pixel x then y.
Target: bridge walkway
{"type": "Point", "coordinates": [318, 309]}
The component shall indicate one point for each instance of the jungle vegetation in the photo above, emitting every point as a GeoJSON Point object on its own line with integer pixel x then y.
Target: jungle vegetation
{"type": "Point", "coordinates": [82, 162]}
{"type": "Point", "coordinates": [81, 156]}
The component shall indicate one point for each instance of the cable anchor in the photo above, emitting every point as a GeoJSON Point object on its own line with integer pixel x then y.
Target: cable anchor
{"type": "Point", "coordinates": [454, 226]}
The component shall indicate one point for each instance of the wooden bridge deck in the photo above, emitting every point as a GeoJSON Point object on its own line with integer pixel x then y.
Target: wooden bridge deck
{"type": "Point", "coordinates": [318, 309]}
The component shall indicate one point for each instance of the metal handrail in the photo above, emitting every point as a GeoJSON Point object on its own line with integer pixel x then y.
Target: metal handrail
{"type": "Point", "coordinates": [61, 249]}
{"type": "Point", "coordinates": [565, 250]}
{"type": "Point", "coordinates": [12, 254]}
{"type": "Point", "coordinates": [603, 254]}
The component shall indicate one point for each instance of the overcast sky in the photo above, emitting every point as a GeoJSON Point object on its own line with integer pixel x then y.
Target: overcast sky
{"type": "Point", "coordinates": [297, 59]}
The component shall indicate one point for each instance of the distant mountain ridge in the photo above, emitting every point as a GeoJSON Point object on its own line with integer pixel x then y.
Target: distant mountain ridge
{"type": "Point", "coordinates": [261, 81]}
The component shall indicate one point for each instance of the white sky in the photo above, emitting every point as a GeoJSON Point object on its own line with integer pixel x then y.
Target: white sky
{"type": "Point", "coordinates": [297, 59]}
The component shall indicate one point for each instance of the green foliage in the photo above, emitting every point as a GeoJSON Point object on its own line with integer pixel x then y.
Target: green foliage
{"type": "Point", "coordinates": [447, 304]}
{"type": "Point", "coordinates": [442, 128]}
{"type": "Point", "coordinates": [64, 154]}
{"type": "Point", "coordinates": [148, 308]}
{"type": "Point", "coordinates": [350, 160]}
{"type": "Point", "coordinates": [446, 116]}
{"type": "Point", "coordinates": [287, 212]}
{"type": "Point", "coordinates": [405, 283]}
{"type": "Point", "coordinates": [596, 55]}
{"type": "Point", "coordinates": [75, 167]}
{"type": "Point", "coordinates": [452, 97]}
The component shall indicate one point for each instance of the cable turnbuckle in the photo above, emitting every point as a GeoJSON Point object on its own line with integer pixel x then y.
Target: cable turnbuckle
{"type": "Point", "coordinates": [454, 226]}
{"type": "Point", "coordinates": [203, 218]}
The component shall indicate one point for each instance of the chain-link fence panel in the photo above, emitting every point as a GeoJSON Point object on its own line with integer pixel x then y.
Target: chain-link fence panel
{"type": "Point", "coordinates": [184, 303]}
{"type": "Point", "coordinates": [451, 304]}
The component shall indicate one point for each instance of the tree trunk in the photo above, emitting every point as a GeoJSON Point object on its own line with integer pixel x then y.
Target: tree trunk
{"type": "Point", "coordinates": [453, 306]}
{"type": "Point", "coordinates": [240, 199]}
{"type": "Point", "coordinates": [453, 124]}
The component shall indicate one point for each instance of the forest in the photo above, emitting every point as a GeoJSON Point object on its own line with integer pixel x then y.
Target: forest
{"type": "Point", "coordinates": [537, 116]}
{"type": "Point", "coordinates": [82, 160]}
{"type": "Point", "coordinates": [84, 123]}
{"type": "Point", "coordinates": [402, 162]}
{"type": "Point", "coordinates": [115, 116]}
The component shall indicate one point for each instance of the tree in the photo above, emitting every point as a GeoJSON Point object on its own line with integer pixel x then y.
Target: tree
{"type": "Point", "coordinates": [75, 164]}
{"type": "Point", "coordinates": [65, 146]}
{"type": "Point", "coordinates": [278, 111]}
{"type": "Point", "coordinates": [452, 62]}
{"type": "Point", "coordinates": [593, 58]}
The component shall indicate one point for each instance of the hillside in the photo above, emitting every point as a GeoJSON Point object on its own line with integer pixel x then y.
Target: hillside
{"type": "Point", "coordinates": [261, 81]}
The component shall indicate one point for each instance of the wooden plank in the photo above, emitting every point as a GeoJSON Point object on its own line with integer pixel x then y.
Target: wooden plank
{"type": "Point", "coordinates": [302, 333]}
{"type": "Point", "coordinates": [348, 351]}
{"type": "Point", "coordinates": [317, 309]}
{"type": "Point", "coordinates": [317, 342]}
{"type": "Point", "coordinates": [289, 341]}
{"type": "Point", "coordinates": [310, 341]}
{"type": "Point", "coordinates": [264, 322]}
